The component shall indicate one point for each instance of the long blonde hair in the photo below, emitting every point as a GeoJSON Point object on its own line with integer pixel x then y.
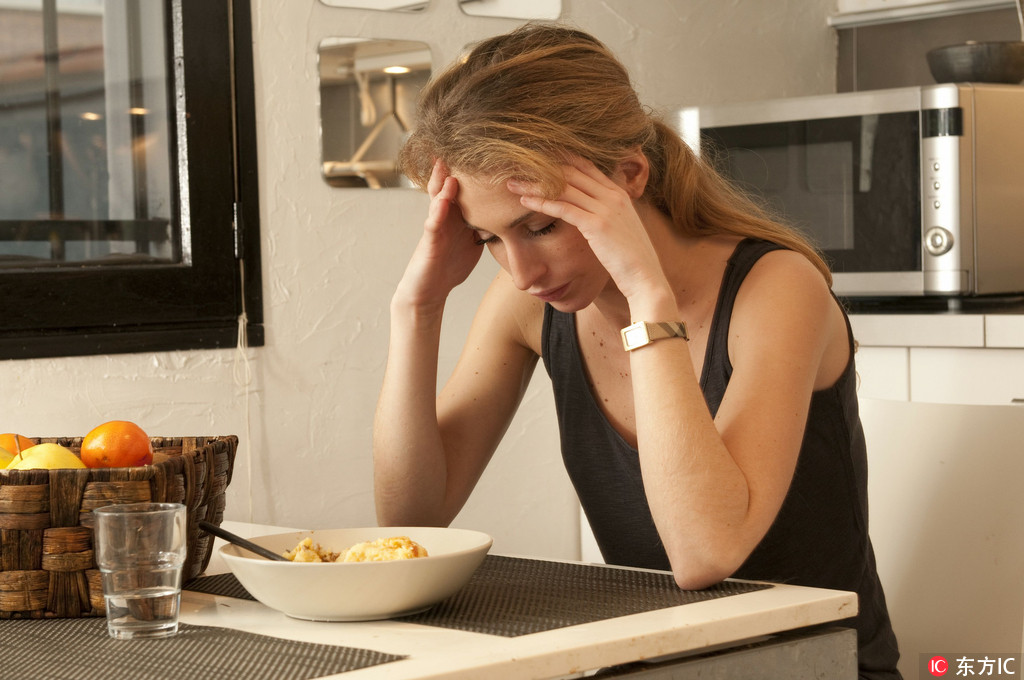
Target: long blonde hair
{"type": "Point", "coordinates": [523, 103]}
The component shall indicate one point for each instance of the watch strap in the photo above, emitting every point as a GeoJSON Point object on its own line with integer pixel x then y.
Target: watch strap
{"type": "Point", "coordinates": [643, 333]}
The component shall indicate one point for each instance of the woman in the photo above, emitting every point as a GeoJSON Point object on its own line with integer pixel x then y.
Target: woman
{"type": "Point", "coordinates": [728, 446]}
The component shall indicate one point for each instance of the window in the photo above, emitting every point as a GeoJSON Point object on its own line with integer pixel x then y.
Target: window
{"type": "Point", "coordinates": [128, 195]}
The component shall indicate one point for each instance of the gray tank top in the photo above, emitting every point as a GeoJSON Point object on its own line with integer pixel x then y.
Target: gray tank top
{"type": "Point", "coordinates": [820, 536]}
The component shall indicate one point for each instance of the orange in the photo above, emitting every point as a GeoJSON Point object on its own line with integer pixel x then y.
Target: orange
{"type": "Point", "coordinates": [15, 442]}
{"type": "Point", "coordinates": [118, 443]}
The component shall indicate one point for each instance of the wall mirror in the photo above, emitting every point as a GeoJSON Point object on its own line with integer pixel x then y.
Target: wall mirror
{"type": "Point", "coordinates": [368, 91]}
{"type": "Point", "coordinates": [512, 9]}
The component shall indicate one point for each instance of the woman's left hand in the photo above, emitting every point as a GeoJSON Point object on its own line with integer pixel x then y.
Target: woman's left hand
{"type": "Point", "coordinates": [603, 211]}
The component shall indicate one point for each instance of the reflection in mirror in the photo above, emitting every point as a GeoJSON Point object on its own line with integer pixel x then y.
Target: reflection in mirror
{"type": "Point", "coordinates": [513, 9]}
{"type": "Point", "coordinates": [85, 146]}
{"type": "Point", "coordinates": [368, 91]}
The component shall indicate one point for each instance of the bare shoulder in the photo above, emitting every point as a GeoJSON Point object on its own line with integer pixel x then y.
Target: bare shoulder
{"type": "Point", "coordinates": [516, 315]}
{"type": "Point", "coordinates": [781, 278]}
{"type": "Point", "coordinates": [785, 308]}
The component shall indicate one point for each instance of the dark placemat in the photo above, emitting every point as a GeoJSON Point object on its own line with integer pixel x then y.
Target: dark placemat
{"type": "Point", "coordinates": [80, 649]}
{"type": "Point", "coordinates": [219, 584]}
{"type": "Point", "coordinates": [512, 596]}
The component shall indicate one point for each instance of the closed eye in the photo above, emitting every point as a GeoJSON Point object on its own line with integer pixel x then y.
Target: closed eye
{"type": "Point", "coordinates": [483, 241]}
{"type": "Point", "coordinates": [543, 230]}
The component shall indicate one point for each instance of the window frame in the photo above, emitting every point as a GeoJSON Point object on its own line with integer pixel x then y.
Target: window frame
{"type": "Point", "coordinates": [74, 311]}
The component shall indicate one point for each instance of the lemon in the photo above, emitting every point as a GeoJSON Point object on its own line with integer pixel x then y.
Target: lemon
{"type": "Point", "coordinates": [5, 457]}
{"type": "Point", "coordinates": [46, 457]}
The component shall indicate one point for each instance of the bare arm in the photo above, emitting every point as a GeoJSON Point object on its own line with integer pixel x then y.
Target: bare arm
{"type": "Point", "coordinates": [725, 480]}
{"type": "Point", "coordinates": [430, 452]}
{"type": "Point", "coordinates": [429, 448]}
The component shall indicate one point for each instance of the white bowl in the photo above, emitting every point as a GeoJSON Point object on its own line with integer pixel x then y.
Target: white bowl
{"type": "Point", "coordinates": [359, 591]}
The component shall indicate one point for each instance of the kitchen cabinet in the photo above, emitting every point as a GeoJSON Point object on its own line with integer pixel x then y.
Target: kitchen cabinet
{"type": "Point", "coordinates": [942, 358]}
{"type": "Point", "coordinates": [947, 524]}
{"type": "Point", "coordinates": [884, 372]}
{"type": "Point", "coordinates": [945, 457]}
{"type": "Point", "coordinates": [967, 376]}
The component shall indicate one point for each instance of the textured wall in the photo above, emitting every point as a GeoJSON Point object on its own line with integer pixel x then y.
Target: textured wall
{"type": "Point", "coordinates": [303, 404]}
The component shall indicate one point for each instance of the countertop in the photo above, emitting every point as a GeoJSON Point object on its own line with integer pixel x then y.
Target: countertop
{"type": "Point", "coordinates": [438, 652]}
{"type": "Point", "coordinates": [974, 325]}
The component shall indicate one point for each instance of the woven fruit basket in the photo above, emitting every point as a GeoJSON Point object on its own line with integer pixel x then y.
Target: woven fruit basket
{"type": "Point", "coordinates": [47, 565]}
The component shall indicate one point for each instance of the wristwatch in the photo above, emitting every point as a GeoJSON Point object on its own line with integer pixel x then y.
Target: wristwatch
{"type": "Point", "coordinates": [644, 333]}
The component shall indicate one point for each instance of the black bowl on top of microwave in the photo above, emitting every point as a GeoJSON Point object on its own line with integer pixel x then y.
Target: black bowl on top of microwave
{"type": "Point", "coordinates": [978, 62]}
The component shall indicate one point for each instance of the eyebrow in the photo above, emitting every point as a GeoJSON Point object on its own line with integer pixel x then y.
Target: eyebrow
{"type": "Point", "coordinates": [514, 223]}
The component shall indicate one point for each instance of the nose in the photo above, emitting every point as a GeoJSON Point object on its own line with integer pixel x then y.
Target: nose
{"type": "Point", "coordinates": [524, 266]}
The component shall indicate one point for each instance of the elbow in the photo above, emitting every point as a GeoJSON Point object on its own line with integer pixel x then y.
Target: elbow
{"type": "Point", "coordinates": [697, 579]}
{"type": "Point", "coordinates": [696, 572]}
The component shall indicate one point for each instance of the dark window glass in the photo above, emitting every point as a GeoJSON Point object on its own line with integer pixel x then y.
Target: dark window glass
{"type": "Point", "coordinates": [128, 192]}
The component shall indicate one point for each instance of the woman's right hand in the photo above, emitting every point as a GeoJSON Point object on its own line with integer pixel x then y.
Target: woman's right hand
{"type": "Point", "coordinates": [447, 251]}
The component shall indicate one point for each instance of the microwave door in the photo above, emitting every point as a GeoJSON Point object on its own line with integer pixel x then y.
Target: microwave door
{"type": "Point", "coordinates": [868, 132]}
{"type": "Point", "coordinates": [850, 184]}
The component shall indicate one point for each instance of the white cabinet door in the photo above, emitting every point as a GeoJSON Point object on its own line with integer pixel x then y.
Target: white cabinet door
{"type": "Point", "coordinates": [883, 373]}
{"type": "Point", "coordinates": [947, 524]}
{"type": "Point", "coordinates": [967, 376]}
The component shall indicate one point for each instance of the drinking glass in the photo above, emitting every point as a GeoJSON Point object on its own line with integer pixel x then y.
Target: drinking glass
{"type": "Point", "coordinates": [140, 550]}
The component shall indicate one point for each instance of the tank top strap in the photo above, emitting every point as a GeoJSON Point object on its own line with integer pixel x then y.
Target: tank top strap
{"type": "Point", "coordinates": [717, 368]}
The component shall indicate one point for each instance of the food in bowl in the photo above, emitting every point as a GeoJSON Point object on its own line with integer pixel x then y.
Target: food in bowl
{"type": "Point", "coordinates": [358, 591]}
{"type": "Point", "coordinates": [393, 548]}
{"type": "Point", "coordinates": [380, 550]}
{"type": "Point", "coordinates": [307, 551]}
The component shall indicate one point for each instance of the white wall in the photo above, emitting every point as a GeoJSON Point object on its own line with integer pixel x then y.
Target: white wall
{"type": "Point", "coordinates": [303, 404]}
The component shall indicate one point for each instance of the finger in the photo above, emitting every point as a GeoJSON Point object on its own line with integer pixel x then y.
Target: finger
{"type": "Point", "coordinates": [578, 174]}
{"type": "Point", "coordinates": [444, 194]}
{"type": "Point", "coordinates": [442, 204]}
{"type": "Point", "coordinates": [436, 215]}
{"type": "Point", "coordinates": [538, 202]}
{"type": "Point", "coordinates": [438, 174]}
{"type": "Point", "coordinates": [555, 208]}
{"type": "Point", "coordinates": [580, 197]}
{"type": "Point", "coordinates": [523, 188]}
{"type": "Point", "coordinates": [585, 176]}
{"type": "Point", "coordinates": [449, 188]}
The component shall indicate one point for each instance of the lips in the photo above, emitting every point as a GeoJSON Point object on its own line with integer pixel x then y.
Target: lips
{"type": "Point", "coordinates": [553, 294]}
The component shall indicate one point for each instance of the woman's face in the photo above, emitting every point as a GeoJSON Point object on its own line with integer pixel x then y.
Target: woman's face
{"type": "Point", "coordinates": [547, 258]}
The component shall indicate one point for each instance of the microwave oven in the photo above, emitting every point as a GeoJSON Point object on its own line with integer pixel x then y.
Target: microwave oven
{"type": "Point", "coordinates": [915, 191]}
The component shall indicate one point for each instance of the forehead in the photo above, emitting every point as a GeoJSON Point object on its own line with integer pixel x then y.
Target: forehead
{"type": "Point", "coordinates": [487, 205]}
